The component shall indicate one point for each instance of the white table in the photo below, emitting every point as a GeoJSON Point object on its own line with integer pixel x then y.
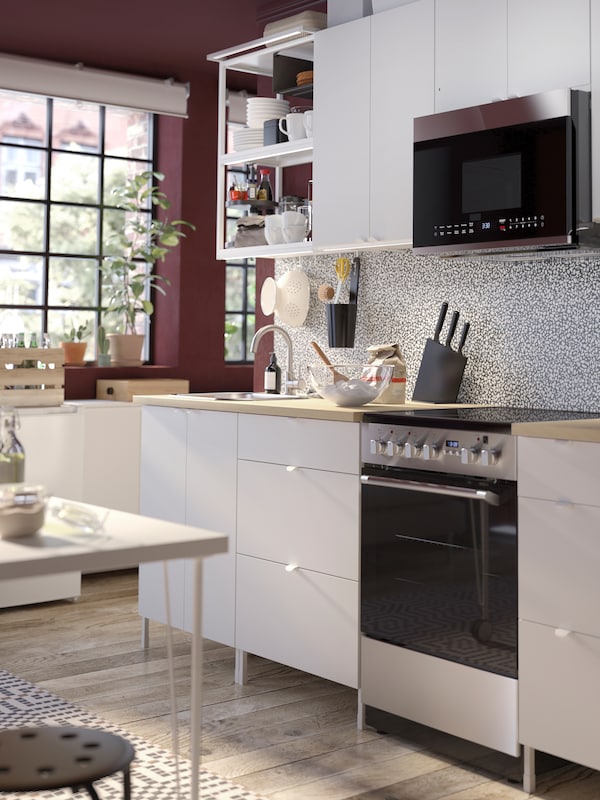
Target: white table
{"type": "Point", "coordinates": [124, 541]}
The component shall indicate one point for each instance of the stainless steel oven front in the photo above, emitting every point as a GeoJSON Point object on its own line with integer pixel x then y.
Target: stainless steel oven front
{"type": "Point", "coordinates": [439, 579]}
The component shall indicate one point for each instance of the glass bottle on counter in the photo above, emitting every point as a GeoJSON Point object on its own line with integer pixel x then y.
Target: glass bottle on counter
{"type": "Point", "coordinates": [273, 376]}
{"type": "Point", "coordinates": [12, 452]}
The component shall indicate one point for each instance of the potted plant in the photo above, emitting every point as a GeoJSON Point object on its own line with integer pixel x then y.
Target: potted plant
{"type": "Point", "coordinates": [103, 346]}
{"type": "Point", "coordinates": [73, 345]}
{"type": "Point", "coordinates": [128, 276]}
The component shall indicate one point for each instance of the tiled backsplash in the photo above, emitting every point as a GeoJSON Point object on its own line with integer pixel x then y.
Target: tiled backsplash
{"type": "Point", "coordinates": [535, 325]}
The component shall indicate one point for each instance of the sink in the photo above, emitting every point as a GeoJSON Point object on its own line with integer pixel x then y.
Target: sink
{"type": "Point", "coordinates": [243, 396]}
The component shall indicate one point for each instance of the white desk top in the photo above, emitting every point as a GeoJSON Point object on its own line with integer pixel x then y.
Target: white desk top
{"type": "Point", "coordinates": [125, 540]}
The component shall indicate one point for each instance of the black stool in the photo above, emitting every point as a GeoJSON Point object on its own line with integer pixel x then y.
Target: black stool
{"type": "Point", "coordinates": [56, 757]}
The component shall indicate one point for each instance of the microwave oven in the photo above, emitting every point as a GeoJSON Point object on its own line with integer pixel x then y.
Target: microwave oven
{"type": "Point", "coordinates": [512, 175]}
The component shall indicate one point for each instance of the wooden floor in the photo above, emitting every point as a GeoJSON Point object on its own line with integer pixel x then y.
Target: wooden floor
{"type": "Point", "coordinates": [285, 735]}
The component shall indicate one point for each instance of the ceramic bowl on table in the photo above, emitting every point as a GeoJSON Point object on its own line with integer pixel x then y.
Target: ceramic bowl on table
{"type": "Point", "coordinates": [349, 384]}
{"type": "Point", "coordinates": [22, 509]}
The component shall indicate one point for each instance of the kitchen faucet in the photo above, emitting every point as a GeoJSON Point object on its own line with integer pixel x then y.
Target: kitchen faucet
{"type": "Point", "coordinates": [289, 379]}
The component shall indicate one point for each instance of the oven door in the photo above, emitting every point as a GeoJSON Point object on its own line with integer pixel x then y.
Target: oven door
{"type": "Point", "coordinates": [439, 566]}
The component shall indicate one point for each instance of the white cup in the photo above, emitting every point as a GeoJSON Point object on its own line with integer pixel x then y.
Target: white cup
{"type": "Point", "coordinates": [293, 126]}
{"type": "Point", "coordinates": [308, 123]}
{"type": "Point", "coordinates": [273, 229]}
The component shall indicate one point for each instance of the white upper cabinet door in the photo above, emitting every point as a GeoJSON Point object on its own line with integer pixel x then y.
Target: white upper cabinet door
{"type": "Point", "coordinates": [341, 103]}
{"type": "Point", "coordinates": [402, 87]}
{"type": "Point", "coordinates": [470, 52]}
{"type": "Point", "coordinates": [548, 45]}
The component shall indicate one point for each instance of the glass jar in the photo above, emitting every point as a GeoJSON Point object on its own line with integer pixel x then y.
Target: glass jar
{"type": "Point", "coordinates": [12, 452]}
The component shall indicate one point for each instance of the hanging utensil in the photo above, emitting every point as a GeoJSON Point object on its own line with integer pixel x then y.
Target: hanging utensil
{"type": "Point", "coordinates": [354, 276]}
{"type": "Point", "coordinates": [342, 270]}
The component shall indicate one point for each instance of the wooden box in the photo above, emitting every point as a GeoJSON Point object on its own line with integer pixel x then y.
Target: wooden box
{"type": "Point", "coordinates": [124, 390]}
{"type": "Point", "coordinates": [32, 376]}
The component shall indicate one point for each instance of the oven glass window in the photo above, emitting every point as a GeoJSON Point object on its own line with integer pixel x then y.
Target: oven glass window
{"type": "Point", "coordinates": [490, 184]}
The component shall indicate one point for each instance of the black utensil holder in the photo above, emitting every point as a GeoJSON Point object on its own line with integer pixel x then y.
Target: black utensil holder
{"type": "Point", "coordinates": [341, 324]}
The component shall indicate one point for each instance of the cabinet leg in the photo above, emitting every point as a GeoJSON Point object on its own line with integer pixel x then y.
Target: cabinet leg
{"type": "Point", "coordinates": [241, 666]}
{"type": "Point", "coordinates": [145, 633]}
{"type": "Point", "coordinates": [528, 769]}
{"type": "Point", "coordinates": [360, 713]}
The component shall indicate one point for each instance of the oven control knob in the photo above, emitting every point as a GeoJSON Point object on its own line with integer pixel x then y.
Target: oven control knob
{"type": "Point", "coordinates": [430, 451]}
{"type": "Point", "coordinates": [377, 448]}
{"type": "Point", "coordinates": [412, 450]}
{"type": "Point", "coordinates": [489, 457]}
{"type": "Point", "coordinates": [469, 455]}
{"type": "Point", "coordinates": [392, 448]}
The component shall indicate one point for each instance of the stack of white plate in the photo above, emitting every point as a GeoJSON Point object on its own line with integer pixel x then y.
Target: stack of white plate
{"type": "Point", "coordinates": [260, 109]}
{"type": "Point", "coordinates": [247, 139]}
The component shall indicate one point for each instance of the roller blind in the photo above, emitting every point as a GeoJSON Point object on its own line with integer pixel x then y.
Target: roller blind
{"type": "Point", "coordinates": [79, 82]}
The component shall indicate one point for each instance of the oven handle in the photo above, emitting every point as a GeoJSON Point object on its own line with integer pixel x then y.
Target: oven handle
{"type": "Point", "coordinates": [484, 496]}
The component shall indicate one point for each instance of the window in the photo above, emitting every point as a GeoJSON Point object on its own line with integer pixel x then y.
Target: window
{"type": "Point", "coordinates": [240, 286]}
{"type": "Point", "coordinates": [59, 160]}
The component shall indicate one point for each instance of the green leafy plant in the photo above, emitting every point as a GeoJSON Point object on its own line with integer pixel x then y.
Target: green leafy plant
{"type": "Point", "coordinates": [76, 334]}
{"type": "Point", "coordinates": [129, 277]}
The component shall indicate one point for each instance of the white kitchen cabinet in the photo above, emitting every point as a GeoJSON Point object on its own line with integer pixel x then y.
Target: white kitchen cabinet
{"type": "Point", "coordinates": [297, 599]}
{"type": "Point", "coordinates": [341, 101]}
{"type": "Point", "coordinates": [188, 474]}
{"type": "Point", "coordinates": [559, 632]}
{"type": "Point", "coordinates": [470, 52]}
{"type": "Point", "coordinates": [363, 167]}
{"type": "Point", "coordinates": [548, 45]}
{"type": "Point", "coordinates": [402, 78]}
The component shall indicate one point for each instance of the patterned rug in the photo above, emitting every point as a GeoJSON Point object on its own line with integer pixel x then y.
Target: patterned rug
{"type": "Point", "coordinates": [153, 771]}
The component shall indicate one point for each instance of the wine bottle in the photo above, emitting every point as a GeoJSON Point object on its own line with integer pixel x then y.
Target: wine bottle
{"type": "Point", "coordinates": [273, 376]}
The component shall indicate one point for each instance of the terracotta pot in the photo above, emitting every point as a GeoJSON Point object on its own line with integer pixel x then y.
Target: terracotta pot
{"type": "Point", "coordinates": [74, 353]}
{"type": "Point", "coordinates": [126, 349]}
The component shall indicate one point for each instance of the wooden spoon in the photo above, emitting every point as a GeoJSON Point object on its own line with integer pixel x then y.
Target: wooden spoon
{"type": "Point", "coordinates": [337, 376]}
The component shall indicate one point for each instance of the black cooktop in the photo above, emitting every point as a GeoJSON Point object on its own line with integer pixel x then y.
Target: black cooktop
{"type": "Point", "coordinates": [498, 418]}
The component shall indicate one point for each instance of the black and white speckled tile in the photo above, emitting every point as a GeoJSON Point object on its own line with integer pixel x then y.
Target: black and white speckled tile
{"type": "Point", "coordinates": [153, 771]}
{"type": "Point", "coordinates": [535, 324]}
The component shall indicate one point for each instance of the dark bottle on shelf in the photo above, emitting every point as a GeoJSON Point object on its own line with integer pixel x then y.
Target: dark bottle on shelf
{"type": "Point", "coordinates": [252, 184]}
{"type": "Point", "coordinates": [265, 190]}
{"type": "Point", "coordinates": [273, 376]}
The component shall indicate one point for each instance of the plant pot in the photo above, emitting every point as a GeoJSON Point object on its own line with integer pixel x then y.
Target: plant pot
{"type": "Point", "coordinates": [126, 349]}
{"type": "Point", "coordinates": [74, 353]}
{"type": "Point", "coordinates": [103, 360]}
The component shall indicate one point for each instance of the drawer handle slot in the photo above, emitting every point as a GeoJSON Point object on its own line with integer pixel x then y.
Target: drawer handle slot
{"type": "Point", "coordinates": [562, 633]}
{"type": "Point", "coordinates": [291, 567]}
{"type": "Point", "coordinates": [291, 468]}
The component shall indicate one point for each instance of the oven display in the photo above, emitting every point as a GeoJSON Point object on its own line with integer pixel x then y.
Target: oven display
{"type": "Point", "coordinates": [452, 443]}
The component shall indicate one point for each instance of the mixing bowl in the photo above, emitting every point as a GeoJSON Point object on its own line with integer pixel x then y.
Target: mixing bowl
{"type": "Point", "coordinates": [349, 384]}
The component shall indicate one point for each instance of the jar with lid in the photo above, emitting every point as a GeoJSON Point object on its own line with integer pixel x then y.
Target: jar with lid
{"type": "Point", "coordinates": [290, 202]}
{"type": "Point", "coordinates": [12, 452]}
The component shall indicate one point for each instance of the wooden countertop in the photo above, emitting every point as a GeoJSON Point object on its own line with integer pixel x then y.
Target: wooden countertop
{"type": "Point", "coordinates": [576, 430]}
{"type": "Point", "coordinates": [309, 408]}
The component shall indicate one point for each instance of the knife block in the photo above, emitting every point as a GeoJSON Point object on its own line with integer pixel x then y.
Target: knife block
{"type": "Point", "coordinates": [440, 374]}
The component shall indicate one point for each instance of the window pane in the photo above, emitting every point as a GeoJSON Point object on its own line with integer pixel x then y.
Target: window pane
{"type": "Point", "coordinates": [21, 321]}
{"type": "Point", "coordinates": [22, 172]}
{"type": "Point", "coordinates": [234, 288]}
{"type": "Point", "coordinates": [61, 322]}
{"type": "Point", "coordinates": [21, 279]}
{"type": "Point", "coordinates": [75, 178]}
{"type": "Point", "coordinates": [128, 133]}
{"type": "Point", "coordinates": [76, 126]}
{"type": "Point", "coordinates": [73, 230]}
{"type": "Point", "coordinates": [116, 172]}
{"type": "Point", "coordinates": [21, 225]}
{"type": "Point", "coordinates": [23, 118]}
{"type": "Point", "coordinates": [72, 282]}
{"type": "Point", "coordinates": [233, 337]}
{"type": "Point", "coordinates": [251, 289]}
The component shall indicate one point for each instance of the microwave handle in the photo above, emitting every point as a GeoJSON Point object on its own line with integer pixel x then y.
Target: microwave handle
{"type": "Point", "coordinates": [466, 493]}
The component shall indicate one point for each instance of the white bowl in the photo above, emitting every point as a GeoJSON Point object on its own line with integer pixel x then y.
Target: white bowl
{"type": "Point", "coordinates": [22, 509]}
{"type": "Point", "coordinates": [294, 233]}
{"type": "Point", "coordinates": [273, 229]}
{"type": "Point", "coordinates": [350, 384]}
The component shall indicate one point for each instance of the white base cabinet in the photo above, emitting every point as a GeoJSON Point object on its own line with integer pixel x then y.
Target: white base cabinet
{"type": "Point", "coordinates": [559, 597]}
{"type": "Point", "coordinates": [188, 474]}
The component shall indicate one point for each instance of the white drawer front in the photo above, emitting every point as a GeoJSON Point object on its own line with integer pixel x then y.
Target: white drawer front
{"type": "Point", "coordinates": [305, 516]}
{"type": "Point", "coordinates": [316, 443]}
{"type": "Point", "coordinates": [559, 470]}
{"type": "Point", "coordinates": [303, 619]}
{"type": "Point", "coordinates": [559, 546]}
{"type": "Point", "coordinates": [559, 701]}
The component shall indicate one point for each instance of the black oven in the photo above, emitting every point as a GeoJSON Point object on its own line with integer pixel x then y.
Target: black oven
{"type": "Point", "coordinates": [439, 565]}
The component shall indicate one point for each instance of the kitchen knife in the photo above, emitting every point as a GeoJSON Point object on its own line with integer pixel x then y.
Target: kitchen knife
{"type": "Point", "coordinates": [452, 328]}
{"type": "Point", "coordinates": [440, 322]}
{"type": "Point", "coordinates": [463, 336]}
